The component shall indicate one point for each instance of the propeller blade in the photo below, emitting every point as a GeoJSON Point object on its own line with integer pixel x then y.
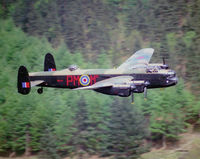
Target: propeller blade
{"type": "Point", "coordinates": [163, 61]}
{"type": "Point", "coordinates": [132, 97]}
{"type": "Point", "coordinates": [145, 92]}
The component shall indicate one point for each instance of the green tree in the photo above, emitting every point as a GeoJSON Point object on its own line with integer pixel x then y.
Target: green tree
{"type": "Point", "coordinates": [168, 113]}
{"type": "Point", "coordinates": [48, 145]}
{"type": "Point", "coordinates": [127, 129]}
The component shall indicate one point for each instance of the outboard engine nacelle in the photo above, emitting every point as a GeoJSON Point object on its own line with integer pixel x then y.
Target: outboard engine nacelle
{"type": "Point", "coordinates": [122, 92]}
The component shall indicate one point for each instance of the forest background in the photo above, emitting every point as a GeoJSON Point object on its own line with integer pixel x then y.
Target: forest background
{"type": "Point", "coordinates": [96, 34]}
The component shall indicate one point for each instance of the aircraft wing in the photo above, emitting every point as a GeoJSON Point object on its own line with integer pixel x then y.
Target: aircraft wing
{"type": "Point", "coordinates": [35, 83]}
{"type": "Point", "coordinates": [139, 59]}
{"type": "Point", "coordinates": [111, 82]}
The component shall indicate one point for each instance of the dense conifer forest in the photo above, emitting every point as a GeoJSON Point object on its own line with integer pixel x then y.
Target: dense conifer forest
{"type": "Point", "coordinates": [96, 34]}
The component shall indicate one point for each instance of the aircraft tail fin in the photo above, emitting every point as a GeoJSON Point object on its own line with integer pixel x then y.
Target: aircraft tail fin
{"type": "Point", "coordinates": [49, 63]}
{"type": "Point", "coordinates": [23, 83]}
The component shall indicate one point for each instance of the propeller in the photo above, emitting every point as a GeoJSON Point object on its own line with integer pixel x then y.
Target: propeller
{"type": "Point", "coordinates": [145, 89]}
{"type": "Point", "coordinates": [132, 98]}
{"type": "Point", "coordinates": [132, 87]}
{"type": "Point", "coordinates": [165, 66]}
{"type": "Point", "coordinates": [145, 92]}
{"type": "Point", "coordinates": [163, 61]}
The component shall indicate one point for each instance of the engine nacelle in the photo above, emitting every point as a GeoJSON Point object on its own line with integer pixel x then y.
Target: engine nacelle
{"type": "Point", "coordinates": [139, 89]}
{"type": "Point", "coordinates": [120, 90]}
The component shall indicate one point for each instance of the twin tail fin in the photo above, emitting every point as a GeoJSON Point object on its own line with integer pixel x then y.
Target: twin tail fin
{"type": "Point", "coordinates": [23, 81]}
{"type": "Point", "coordinates": [49, 63]}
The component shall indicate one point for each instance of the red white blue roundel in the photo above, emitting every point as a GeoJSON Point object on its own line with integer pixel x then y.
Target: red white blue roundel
{"type": "Point", "coordinates": [84, 80]}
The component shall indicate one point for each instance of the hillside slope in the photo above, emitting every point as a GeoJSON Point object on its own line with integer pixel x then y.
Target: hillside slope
{"type": "Point", "coordinates": [187, 148]}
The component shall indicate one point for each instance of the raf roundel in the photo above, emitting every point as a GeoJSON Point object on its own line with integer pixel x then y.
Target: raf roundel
{"type": "Point", "coordinates": [84, 80]}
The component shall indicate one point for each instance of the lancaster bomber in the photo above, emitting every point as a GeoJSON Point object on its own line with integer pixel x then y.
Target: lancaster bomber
{"type": "Point", "coordinates": [135, 75]}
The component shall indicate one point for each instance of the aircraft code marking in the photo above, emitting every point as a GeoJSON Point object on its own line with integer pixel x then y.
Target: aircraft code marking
{"type": "Point", "coordinates": [59, 80]}
{"type": "Point", "coordinates": [76, 80]}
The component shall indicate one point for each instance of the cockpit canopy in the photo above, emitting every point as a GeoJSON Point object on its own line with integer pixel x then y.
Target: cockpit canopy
{"type": "Point", "coordinates": [73, 67]}
{"type": "Point", "coordinates": [165, 66]}
{"type": "Point", "coordinates": [156, 67]}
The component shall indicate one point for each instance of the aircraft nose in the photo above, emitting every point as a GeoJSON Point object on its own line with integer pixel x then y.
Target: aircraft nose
{"type": "Point", "coordinates": [174, 79]}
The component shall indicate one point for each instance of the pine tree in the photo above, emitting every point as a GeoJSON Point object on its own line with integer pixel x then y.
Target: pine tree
{"type": "Point", "coordinates": [81, 123]}
{"type": "Point", "coordinates": [48, 145]}
{"type": "Point", "coordinates": [126, 130]}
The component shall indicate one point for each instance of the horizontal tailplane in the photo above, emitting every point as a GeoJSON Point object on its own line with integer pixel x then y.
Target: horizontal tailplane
{"type": "Point", "coordinates": [23, 83]}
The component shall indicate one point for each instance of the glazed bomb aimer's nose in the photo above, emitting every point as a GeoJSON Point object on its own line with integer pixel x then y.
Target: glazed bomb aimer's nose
{"type": "Point", "coordinates": [174, 79]}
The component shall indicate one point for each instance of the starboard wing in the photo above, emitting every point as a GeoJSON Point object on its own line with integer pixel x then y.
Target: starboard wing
{"type": "Point", "coordinates": [139, 59]}
{"type": "Point", "coordinates": [111, 82]}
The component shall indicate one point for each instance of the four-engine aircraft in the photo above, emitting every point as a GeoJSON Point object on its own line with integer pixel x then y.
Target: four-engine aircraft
{"type": "Point", "coordinates": [135, 75]}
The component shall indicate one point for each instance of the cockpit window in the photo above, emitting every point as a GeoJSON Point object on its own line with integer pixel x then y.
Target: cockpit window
{"type": "Point", "coordinates": [73, 67]}
{"type": "Point", "coordinates": [151, 69]}
{"type": "Point", "coordinates": [165, 66]}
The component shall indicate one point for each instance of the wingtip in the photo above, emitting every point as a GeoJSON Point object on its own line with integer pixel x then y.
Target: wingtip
{"type": "Point", "coordinates": [149, 49]}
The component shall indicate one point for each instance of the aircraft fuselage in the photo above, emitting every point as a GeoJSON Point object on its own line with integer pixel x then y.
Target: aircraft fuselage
{"type": "Point", "coordinates": [71, 81]}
